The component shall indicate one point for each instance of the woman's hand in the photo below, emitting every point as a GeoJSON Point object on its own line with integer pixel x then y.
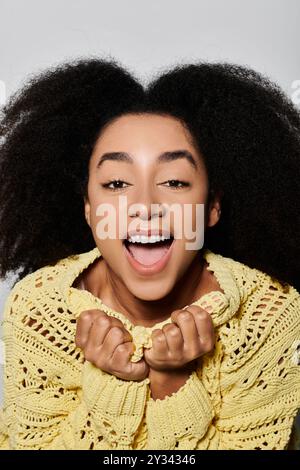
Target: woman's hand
{"type": "Point", "coordinates": [190, 336]}
{"type": "Point", "coordinates": [108, 345]}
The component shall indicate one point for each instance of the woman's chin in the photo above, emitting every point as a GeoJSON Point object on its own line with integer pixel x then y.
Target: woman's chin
{"type": "Point", "coordinates": [149, 293]}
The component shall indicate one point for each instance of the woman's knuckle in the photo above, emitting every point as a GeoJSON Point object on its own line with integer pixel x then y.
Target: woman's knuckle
{"type": "Point", "coordinates": [207, 342]}
{"type": "Point", "coordinates": [85, 316]}
{"type": "Point", "coordinates": [203, 315]}
{"type": "Point", "coordinates": [174, 314]}
{"type": "Point", "coordinates": [171, 330]}
{"type": "Point", "coordinates": [156, 334]}
{"type": "Point", "coordinates": [160, 338]}
{"type": "Point", "coordinates": [157, 331]}
{"type": "Point", "coordinates": [117, 332]}
{"type": "Point", "coordinates": [174, 332]}
{"type": "Point", "coordinates": [184, 315]}
{"type": "Point", "coordinates": [167, 328]}
{"type": "Point", "coordinates": [102, 321]}
{"type": "Point", "coordinates": [122, 349]}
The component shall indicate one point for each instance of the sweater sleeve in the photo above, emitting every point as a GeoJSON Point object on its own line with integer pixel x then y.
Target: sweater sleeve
{"type": "Point", "coordinates": [46, 410]}
{"type": "Point", "coordinates": [251, 404]}
{"type": "Point", "coordinates": [180, 420]}
{"type": "Point", "coordinates": [261, 402]}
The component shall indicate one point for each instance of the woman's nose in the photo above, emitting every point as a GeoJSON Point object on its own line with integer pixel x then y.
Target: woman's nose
{"type": "Point", "coordinates": [146, 207]}
{"type": "Point", "coordinates": [145, 211]}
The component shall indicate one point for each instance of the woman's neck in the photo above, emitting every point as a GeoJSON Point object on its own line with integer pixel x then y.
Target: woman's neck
{"type": "Point", "coordinates": [101, 282]}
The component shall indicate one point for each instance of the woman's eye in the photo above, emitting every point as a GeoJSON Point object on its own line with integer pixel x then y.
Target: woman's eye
{"type": "Point", "coordinates": [177, 184]}
{"type": "Point", "coordinates": [117, 184]}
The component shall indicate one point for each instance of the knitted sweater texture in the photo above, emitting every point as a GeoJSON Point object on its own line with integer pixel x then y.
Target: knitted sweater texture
{"type": "Point", "coordinates": [244, 394]}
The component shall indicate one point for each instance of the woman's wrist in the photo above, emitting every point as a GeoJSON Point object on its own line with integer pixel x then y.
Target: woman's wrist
{"type": "Point", "coordinates": [165, 382]}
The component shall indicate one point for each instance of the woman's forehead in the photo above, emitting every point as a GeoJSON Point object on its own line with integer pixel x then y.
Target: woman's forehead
{"type": "Point", "coordinates": [149, 135]}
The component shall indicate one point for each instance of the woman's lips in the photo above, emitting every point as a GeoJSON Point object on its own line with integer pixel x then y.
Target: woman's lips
{"type": "Point", "coordinates": [148, 269]}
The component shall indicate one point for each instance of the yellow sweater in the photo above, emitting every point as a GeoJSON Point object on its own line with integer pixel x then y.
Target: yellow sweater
{"type": "Point", "coordinates": [244, 395]}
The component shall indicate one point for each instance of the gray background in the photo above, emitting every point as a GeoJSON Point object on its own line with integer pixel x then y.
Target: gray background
{"type": "Point", "coordinates": [146, 37]}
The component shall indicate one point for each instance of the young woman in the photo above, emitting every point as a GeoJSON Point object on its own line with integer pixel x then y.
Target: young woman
{"type": "Point", "coordinates": [131, 342]}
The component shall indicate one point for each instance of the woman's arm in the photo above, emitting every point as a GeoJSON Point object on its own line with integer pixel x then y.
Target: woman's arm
{"type": "Point", "coordinates": [179, 421]}
{"type": "Point", "coordinates": [54, 402]}
{"type": "Point", "coordinates": [165, 383]}
{"type": "Point", "coordinates": [260, 406]}
{"type": "Point", "coordinates": [250, 405]}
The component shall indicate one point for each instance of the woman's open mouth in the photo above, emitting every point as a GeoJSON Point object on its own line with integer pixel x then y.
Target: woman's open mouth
{"type": "Point", "coordinates": [148, 258]}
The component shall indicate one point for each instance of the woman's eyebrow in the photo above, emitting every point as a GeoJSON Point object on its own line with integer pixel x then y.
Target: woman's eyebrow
{"type": "Point", "coordinates": [164, 157]}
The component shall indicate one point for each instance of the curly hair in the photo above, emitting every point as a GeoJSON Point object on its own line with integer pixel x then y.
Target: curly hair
{"type": "Point", "coordinates": [244, 126]}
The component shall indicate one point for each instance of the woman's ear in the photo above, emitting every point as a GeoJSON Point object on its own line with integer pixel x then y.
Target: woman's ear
{"type": "Point", "coordinates": [87, 210]}
{"type": "Point", "coordinates": [214, 208]}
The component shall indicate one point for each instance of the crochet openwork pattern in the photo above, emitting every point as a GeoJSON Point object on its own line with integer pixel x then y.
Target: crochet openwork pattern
{"type": "Point", "coordinates": [244, 394]}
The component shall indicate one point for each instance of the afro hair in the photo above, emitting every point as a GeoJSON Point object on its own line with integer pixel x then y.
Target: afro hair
{"type": "Point", "coordinates": [244, 126]}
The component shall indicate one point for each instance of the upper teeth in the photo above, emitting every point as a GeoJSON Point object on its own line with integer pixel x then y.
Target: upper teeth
{"type": "Point", "coordinates": [145, 239]}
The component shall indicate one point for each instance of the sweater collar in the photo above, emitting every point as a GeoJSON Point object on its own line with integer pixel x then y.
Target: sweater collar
{"type": "Point", "coordinates": [226, 270]}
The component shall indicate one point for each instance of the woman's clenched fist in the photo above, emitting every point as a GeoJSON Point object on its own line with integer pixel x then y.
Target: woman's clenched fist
{"type": "Point", "coordinates": [108, 345]}
{"type": "Point", "coordinates": [188, 337]}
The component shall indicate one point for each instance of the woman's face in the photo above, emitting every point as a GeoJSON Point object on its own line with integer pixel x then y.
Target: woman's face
{"type": "Point", "coordinates": [166, 186]}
